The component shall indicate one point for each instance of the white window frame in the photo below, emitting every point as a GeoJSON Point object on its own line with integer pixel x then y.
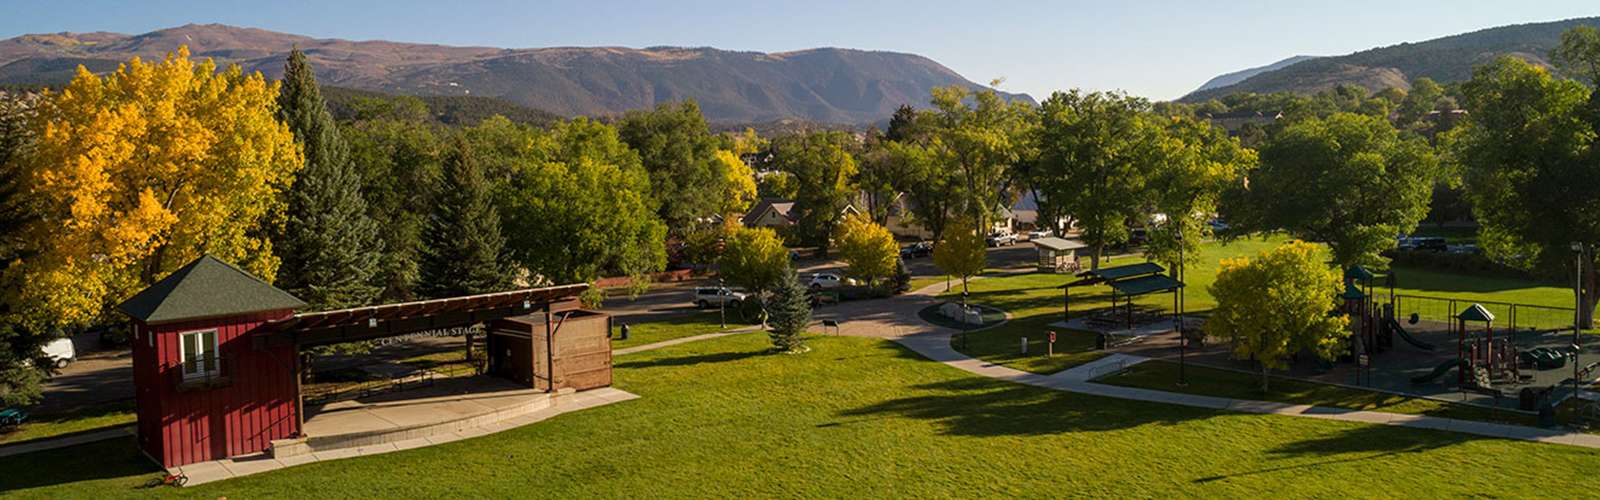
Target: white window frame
{"type": "Point", "coordinates": [198, 366]}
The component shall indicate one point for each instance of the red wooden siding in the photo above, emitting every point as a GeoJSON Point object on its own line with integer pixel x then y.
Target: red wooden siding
{"type": "Point", "coordinates": [178, 428]}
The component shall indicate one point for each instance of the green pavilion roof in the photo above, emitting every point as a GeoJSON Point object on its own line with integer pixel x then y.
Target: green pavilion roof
{"type": "Point", "coordinates": [206, 288]}
{"type": "Point", "coordinates": [1358, 272]}
{"type": "Point", "coordinates": [1119, 272]}
{"type": "Point", "coordinates": [1476, 312]}
{"type": "Point", "coordinates": [1146, 284]}
{"type": "Point", "coordinates": [1351, 292]}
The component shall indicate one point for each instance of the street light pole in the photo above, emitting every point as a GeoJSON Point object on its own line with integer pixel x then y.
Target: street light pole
{"type": "Point", "coordinates": [722, 302]}
{"type": "Point", "coordinates": [1183, 339]}
{"type": "Point", "coordinates": [1577, 309]}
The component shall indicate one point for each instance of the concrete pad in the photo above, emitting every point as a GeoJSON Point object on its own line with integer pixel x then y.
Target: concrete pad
{"type": "Point", "coordinates": [205, 472]}
{"type": "Point", "coordinates": [1328, 411]}
{"type": "Point", "coordinates": [297, 460]}
{"type": "Point", "coordinates": [1478, 428]}
{"type": "Point", "coordinates": [251, 466]}
{"type": "Point", "coordinates": [443, 438]}
{"type": "Point", "coordinates": [377, 449]}
{"type": "Point", "coordinates": [1586, 440]}
{"type": "Point", "coordinates": [323, 456]}
{"type": "Point", "coordinates": [1207, 402]}
{"type": "Point", "coordinates": [1365, 417]}
{"type": "Point", "coordinates": [411, 443]}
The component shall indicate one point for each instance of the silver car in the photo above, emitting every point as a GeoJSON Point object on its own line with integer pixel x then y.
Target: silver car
{"type": "Point", "coordinates": [707, 297]}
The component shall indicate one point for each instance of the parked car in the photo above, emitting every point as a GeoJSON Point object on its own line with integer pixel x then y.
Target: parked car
{"type": "Point", "coordinates": [820, 281]}
{"type": "Point", "coordinates": [1001, 239]}
{"type": "Point", "coordinates": [1138, 236]}
{"type": "Point", "coordinates": [61, 352]}
{"type": "Point", "coordinates": [1426, 244]}
{"type": "Point", "coordinates": [707, 297]}
{"type": "Point", "coordinates": [794, 255]}
{"type": "Point", "coordinates": [1217, 225]}
{"type": "Point", "coordinates": [916, 250]}
{"type": "Point", "coordinates": [1038, 234]}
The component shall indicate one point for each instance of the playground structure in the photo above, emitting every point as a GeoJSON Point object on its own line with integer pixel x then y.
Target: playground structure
{"type": "Point", "coordinates": [1396, 349]}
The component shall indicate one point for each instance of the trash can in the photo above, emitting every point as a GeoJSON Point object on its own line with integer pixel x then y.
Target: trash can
{"type": "Point", "coordinates": [1547, 415]}
{"type": "Point", "coordinates": [624, 333]}
{"type": "Point", "coordinates": [1527, 399]}
{"type": "Point", "coordinates": [1100, 342]}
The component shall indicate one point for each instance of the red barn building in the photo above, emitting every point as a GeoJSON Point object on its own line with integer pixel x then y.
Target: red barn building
{"type": "Point", "coordinates": [216, 353]}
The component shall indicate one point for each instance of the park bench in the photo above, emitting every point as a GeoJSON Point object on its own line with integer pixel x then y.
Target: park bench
{"type": "Point", "coordinates": [1485, 391]}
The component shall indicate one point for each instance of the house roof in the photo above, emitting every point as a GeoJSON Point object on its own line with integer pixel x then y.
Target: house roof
{"type": "Point", "coordinates": [206, 288]}
{"type": "Point", "coordinates": [1058, 244]}
{"type": "Point", "coordinates": [784, 206]}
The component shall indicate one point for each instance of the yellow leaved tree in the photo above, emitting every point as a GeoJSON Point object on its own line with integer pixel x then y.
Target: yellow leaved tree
{"type": "Point", "coordinates": [738, 184]}
{"type": "Point", "coordinates": [1276, 304]}
{"type": "Point", "coordinates": [868, 248]}
{"type": "Point", "coordinates": [136, 173]}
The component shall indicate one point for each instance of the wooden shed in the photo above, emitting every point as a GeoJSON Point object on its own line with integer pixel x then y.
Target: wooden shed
{"type": "Point", "coordinates": [566, 349]}
{"type": "Point", "coordinates": [1057, 255]}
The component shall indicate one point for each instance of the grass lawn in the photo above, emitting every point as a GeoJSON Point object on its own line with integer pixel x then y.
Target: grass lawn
{"type": "Point", "coordinates": [687, 325]}
{"type": "Point", "coordinates": [866, 418]}
{"type": "Point", "coordinates": [1162, 376]}
{"type": "Point", "coordinates": [82, 420]}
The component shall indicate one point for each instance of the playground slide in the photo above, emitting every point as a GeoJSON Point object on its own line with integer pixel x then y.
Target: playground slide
{"type": "Point", "coordinates": [1408, 338]}
{"type": "Point", "coordinates": [1439, 370]}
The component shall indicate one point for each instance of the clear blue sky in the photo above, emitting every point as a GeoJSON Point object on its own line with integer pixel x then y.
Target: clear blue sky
{"type": "Point", "coordinates": [1157, 49]}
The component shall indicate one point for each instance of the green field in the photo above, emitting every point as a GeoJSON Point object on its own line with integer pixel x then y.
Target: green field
{"type": "Point", "coordinates": [676, 327]}
{"type": "Point", "coordinates": [78, 421]}
{"type": "Point", "coordinates": [720, 419]}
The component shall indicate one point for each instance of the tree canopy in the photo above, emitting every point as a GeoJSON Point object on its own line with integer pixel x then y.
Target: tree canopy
{"type": "Point", "coordinates": [679, 152]}
{"type": "Point", "coordinates": [868, 248]}
{"type": "Point", "coordinates": [1276, 304]}
{"type": "Point", "coordinates": [141, 171]}
{"type": "Point", "coordinates": [1351, 181]}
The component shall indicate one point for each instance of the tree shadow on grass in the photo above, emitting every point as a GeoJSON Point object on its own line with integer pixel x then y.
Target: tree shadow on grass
{"type": "Point", "coordinates": [690, 360]}
{"type": "Point", "coordinates": [981, 407]}
{"type": "Point", "coordinates": [109, 459]}
{"type": "Point", "coordinates": [1357, 444]}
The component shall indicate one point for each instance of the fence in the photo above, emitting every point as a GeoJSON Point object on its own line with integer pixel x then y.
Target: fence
{"type": "Point", "coordinates": [1522, 317]}
{"type": "Point", "coordinates": [413, 380]}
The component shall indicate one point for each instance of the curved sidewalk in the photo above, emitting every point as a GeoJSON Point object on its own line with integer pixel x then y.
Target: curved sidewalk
{"type": "Point", "coordinates": [896, 319]}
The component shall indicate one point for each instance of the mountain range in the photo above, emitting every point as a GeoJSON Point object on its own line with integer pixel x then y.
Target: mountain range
{"type": "Point", "coordinates": [1447, 59]}
{"type": "Point", "coordinates": [829, 85]}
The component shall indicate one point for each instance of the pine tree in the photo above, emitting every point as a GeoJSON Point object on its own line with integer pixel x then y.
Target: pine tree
{"type": "Point", "coordinates": [330, 248]}
{"type": "Point", "coordinates": [791, 314]}
{"type": "Point", "coordinates": [463, 248]}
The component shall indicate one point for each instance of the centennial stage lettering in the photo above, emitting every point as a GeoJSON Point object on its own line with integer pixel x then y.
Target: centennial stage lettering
{"type": "Point", "coordinates": [442, 332]}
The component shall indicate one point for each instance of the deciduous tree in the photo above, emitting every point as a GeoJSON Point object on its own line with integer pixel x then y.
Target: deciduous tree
{"type": "Point", "coordinates": [753, 259]}
{"type": "Point", "coordinates": [583, 207]}
{"type": "Point", "coordinates": [1096, 155]}
{"type": "Point", "coordinates": [738, 184]}
{"type": "Point", "coordinates": [679, 152]}
{"type": "Point", "coordinates": [824, 170]}
{"type": "Point", "coordinates": [1529, 165]}
{"type": "Point", "coordinates": [868, 248]}
{"type": "Point", "coordinates": [1278, 304]}
{"type": "Point", "coordinates": [141, 171]}
{"type": "Point", "coordinates": [1351, 181]}
{"type": "Point", "coordinates": [960, 251]}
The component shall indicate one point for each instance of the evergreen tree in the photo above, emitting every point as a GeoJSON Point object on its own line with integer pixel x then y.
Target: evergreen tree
{"type": "Point", "coordinates": [330, 248]}
{"type": "Point", "coordinates": [463, 250]}
{"type": "Point", "coordinates": [790, 310]}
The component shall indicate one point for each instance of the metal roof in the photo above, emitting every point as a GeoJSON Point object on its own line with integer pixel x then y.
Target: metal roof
{"type": "Point", "coordinates": [206, 288]}
{"type": "Point", "coordinates": [1146, 284]}
{"type": "Point", "coordinates": [1058, 244]}
{"type": "Point", "coordinates": [1476, 312]}
{"type": "Point", "coordinates": [363, 323]}
{"type": "Point", "coordinates": [1119, 272]}
{"type": "Point", "coordinates": [1357, 272]}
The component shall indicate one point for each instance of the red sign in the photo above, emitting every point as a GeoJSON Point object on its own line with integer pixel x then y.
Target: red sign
{"type": "Point", "coordinates": [1052, 337]}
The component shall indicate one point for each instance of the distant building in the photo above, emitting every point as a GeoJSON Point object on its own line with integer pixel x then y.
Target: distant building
{"type": "Point", "coordinates": [1232, 121]}
{"type": "Point", "coordinates": [778, 212]}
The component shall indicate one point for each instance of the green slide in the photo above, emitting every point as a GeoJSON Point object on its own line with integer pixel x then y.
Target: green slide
{"type": "Point", "coordinates": [1439, 370]}
{"type": "Point", "coordinates": [1408, 338]}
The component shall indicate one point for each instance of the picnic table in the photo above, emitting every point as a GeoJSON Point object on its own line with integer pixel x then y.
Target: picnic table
{"type": "Point", "coordinates": [13, 417]}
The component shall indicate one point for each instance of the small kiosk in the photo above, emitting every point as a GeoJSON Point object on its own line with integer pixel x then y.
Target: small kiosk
{"type": "Point", "coordinates": [1057, 255]}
